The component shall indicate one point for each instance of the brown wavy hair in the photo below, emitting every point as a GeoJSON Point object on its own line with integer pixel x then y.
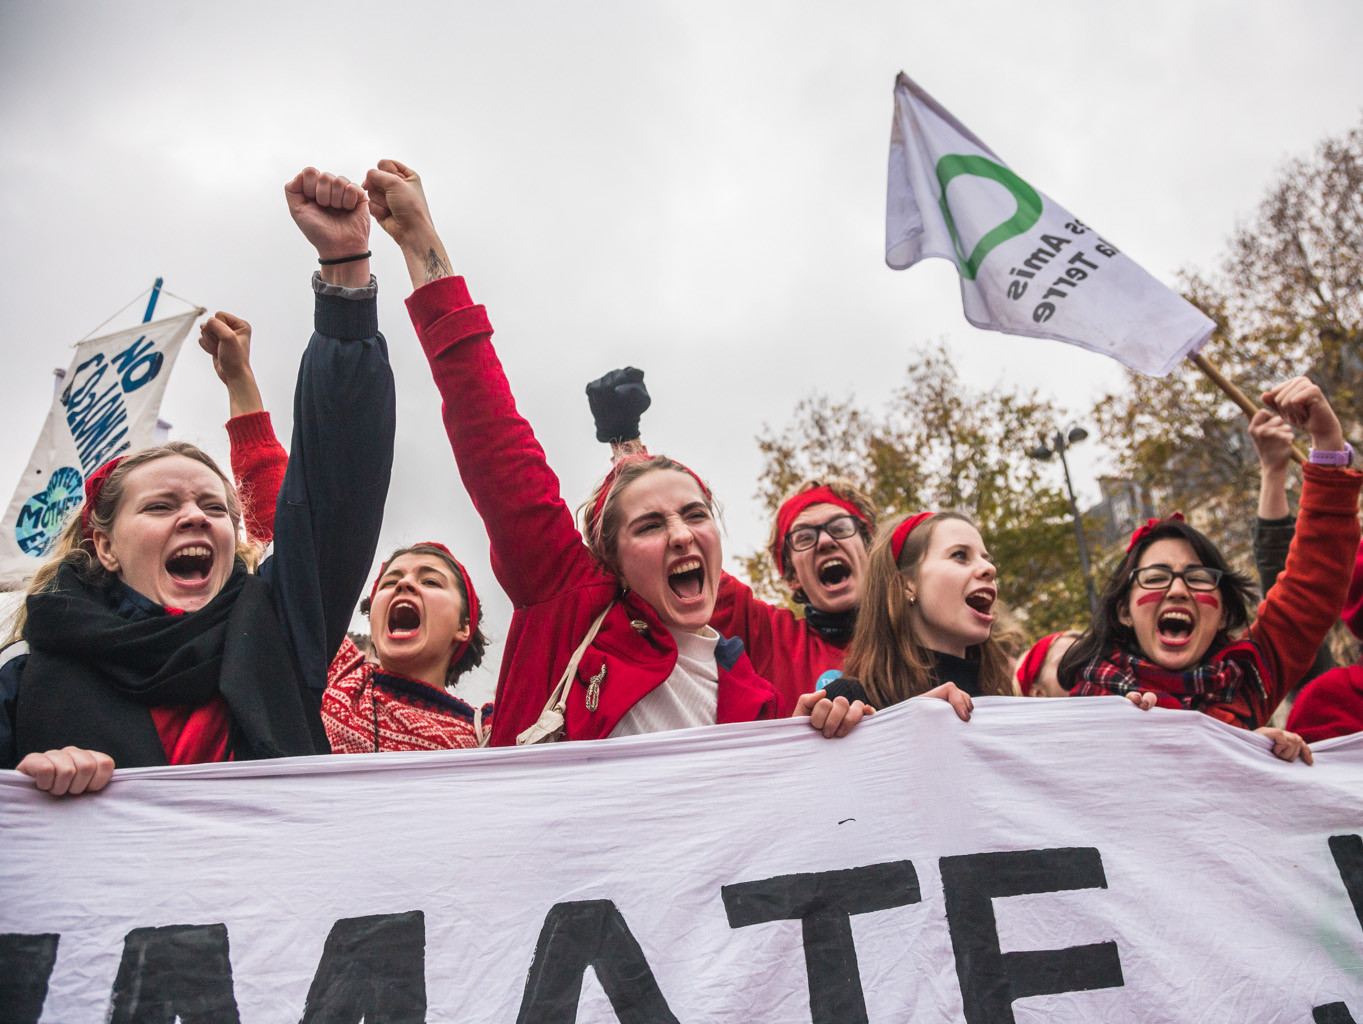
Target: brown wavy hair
{"type": "Point", "coordinates": [886, 656]}
{"type": "Point", "coordinates": [74, 548]}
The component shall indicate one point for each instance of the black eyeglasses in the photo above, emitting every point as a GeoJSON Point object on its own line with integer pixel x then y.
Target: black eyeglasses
{"type": "Point", "coordinates": [1161, 577]}
{"type": "Point", "coordinates": [839, 528]}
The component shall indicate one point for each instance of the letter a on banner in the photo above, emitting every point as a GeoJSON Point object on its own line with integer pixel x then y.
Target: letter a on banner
{"type": "Point", "coordinates": [1028, 266]}
{"type": "Point", "coordinates": [107, 405]}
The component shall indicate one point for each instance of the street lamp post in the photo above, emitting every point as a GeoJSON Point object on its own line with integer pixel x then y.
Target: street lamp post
{"type": "Point", "coordinates": [1063, 440]}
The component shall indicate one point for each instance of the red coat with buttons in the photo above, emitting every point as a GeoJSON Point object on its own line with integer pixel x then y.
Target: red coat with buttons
{"type": "Point", "coordinates": [538, 556]}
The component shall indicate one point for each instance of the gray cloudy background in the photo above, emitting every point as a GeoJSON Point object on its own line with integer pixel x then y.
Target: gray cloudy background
{"type": "Point", "coordinates": [694, 188]}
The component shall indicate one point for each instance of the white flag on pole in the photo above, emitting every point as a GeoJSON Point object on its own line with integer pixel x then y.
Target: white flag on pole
{"type": "Point", "coordinates": [1028, 266]}
{"type": "Point", "coordinates": [107, 405]}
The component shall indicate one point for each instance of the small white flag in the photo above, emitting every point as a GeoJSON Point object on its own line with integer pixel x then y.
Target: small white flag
{"type": "Point", "coordinates": [107, 405]}
{"type": "Point", "coordinates": [1028, 266]}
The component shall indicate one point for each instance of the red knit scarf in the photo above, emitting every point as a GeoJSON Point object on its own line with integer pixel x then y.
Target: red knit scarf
{"type": "Point", "coordinates": [1218, 680]}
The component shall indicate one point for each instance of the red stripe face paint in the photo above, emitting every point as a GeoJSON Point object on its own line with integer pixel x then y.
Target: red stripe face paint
{"type": "Point", "coordinates": [1152, 597]}
{"type": "Point", "coordinates": [1210, 600]}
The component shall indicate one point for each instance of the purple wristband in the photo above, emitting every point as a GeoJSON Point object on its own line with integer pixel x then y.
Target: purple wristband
{"type": "Point", "coordinates": [1344, 458]}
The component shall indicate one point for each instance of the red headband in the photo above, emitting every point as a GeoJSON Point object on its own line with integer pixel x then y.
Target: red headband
{"type": "Point", "coordinates": [902, 531]}
{"type": "Point", "coordinates": [1141, 532]}
{"type": "Point", "coordinates": [94, 483]}
{"type": "Point", "coordinates": [468, 588]}
{"type": "Point", "coordinates": [796, 504]}
{"type": "Point", "coordinates": [1030, 669]}
{"type": "Point", "coordinates": [600, 502]}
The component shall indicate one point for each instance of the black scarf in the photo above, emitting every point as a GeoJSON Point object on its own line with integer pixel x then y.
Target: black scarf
{"type": "Point", "coordinates": [93, 673]}
{"type": "Point", "coordinates": [835, 627]}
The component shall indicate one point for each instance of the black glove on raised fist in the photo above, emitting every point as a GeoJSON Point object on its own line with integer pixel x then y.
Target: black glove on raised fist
{"type": "Point", "coordinates": [618, 400]}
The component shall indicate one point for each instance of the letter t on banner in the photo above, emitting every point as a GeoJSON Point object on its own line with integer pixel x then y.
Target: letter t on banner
{"type": "Point", "coordinates": [1028, 266]}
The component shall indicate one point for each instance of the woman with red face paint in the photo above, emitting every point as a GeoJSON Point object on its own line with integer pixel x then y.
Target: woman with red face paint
{"type": "Point", "coordinates": [631, 595]}
{"type": "Point", "coordinates": [818, 544]}
{"type": "Point", "coordinates": [149, 641]}
{"type": "Point", "coordinates": [1170, 629]}
{"type": "Point", "coordinates": [925, 620]}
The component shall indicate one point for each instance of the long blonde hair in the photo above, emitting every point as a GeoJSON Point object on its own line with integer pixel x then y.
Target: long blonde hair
{"type": "Point", "coordinates": [886, 656]}
{"type": "Point", "coordinates": [72, 547]}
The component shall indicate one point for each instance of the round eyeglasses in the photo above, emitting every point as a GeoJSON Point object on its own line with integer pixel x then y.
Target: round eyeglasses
{"type": "Point", "coordinates": [839, 528]}
{"type": "Point", "coordinates": [1161, 577]}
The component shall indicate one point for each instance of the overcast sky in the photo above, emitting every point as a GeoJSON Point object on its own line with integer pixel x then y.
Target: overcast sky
{"type": "Point", "coordinates": [697, 189]}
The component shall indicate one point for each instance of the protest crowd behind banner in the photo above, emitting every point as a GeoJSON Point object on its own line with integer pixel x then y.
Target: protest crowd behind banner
{"type": "Point", "coordinates": [925, 867]}
{"type": "Point", "coordinates": [918, 841]}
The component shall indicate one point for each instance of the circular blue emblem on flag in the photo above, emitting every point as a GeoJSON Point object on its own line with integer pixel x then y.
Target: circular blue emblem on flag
{"type": "Point", "coordinates": [41, 518]}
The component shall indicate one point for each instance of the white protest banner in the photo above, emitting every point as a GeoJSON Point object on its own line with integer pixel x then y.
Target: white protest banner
{"type": "Point", "coordinates": [107, 405]}
{"type": "Point", "coordinates": [1028, 266]}
{"type": "Point", "coordinates": [1064, 860]}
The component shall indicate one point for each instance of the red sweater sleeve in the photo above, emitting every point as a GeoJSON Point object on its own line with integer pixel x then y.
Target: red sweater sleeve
{"type": "Point", "coordinates": [536, 550]}
{"type": "Point", "coordinates": [1303, 604]}
{"type": "Point", "coordinates": [780, 646]}
{"type": "Point", "coordinates": [258, 464]}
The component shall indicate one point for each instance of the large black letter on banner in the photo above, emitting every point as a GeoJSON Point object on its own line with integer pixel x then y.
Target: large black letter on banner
{"type": "Point", "coordinates": [990, 979]}
{"type": "Point", "coordinates": [824, 902]}
{"type": "Point", "coordinates": [372, 969]}
{"type": "Point", "coordinates": [181, 970]}
{"type": "Point", "coordinates": [582, 934]}
{"type": "Point", "coordinates": [25, 965]}
{"type": "Point", "coordinates": [1348, 853]}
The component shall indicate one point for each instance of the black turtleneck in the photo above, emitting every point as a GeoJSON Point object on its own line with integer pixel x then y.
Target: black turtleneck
{"type": "Point", "coordinates": [835, 627]}
{"type": "Point", "coordinates": [947, 668]}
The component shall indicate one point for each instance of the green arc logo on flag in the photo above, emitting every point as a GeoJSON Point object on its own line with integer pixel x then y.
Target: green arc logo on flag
{"type": "Point", "coordinates": [1028, 212]}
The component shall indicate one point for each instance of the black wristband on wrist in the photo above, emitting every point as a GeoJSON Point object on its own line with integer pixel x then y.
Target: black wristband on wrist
{"type": "Point", "coordinates": [346, 259]}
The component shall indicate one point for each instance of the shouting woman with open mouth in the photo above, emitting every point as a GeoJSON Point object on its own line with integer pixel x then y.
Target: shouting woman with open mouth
{"type": "Point", "coordinates": [1170, 629]}
{"type": "Point", "coordinates": [926, 615]}
{"type": "Point", "coordinates": [618, 612]}
{"type": "Point", "coordinates": [149, 640]}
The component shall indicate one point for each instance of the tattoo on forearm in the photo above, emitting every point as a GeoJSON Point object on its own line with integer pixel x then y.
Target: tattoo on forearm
{"type": "Point", "coordinates": [624, 449]}
{"type": "Point", "coordinates": [436, 267]}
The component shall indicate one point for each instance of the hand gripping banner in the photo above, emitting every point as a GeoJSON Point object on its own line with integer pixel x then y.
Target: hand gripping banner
{"type": "Point", "coordinates": [1062, 860]}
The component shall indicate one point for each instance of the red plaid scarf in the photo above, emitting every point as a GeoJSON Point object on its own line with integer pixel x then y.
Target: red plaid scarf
{"type": "Point", "coordinates": [1217, 681]}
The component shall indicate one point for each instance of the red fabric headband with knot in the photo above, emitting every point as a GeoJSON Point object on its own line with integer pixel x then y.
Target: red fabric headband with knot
{"type": "Point", "coordinates": [600, 502]}
{"type": "Point", "coordinates": [94, 483]}
{"type": "Point", "coordinates": [1141, 532]}
{"type": "Point", "coordinates": [902, 531]}
{"type": "Point", "coordinates": [796, 504]}
{"type": "Point", "coordinates": [1030, 669]}
{"type": "Point", "coordinates": [468, 588]}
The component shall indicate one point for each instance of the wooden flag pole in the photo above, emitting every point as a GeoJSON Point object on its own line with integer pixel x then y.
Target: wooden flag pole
{"type": "Point", "coordinates": [1236, 395]}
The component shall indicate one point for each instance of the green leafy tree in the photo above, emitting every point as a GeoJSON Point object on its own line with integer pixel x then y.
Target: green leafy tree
{"type": "Point", "coordinates": [942, 445]}
{"type": "Point", "coordinates": [1287, 299]}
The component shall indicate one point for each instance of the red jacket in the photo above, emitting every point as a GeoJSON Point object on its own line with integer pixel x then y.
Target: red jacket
{"type": "Point", "coordinates": [538, 556]}
{"type": "Point", "coordinates": [1301, 607]}
{"type": "Point", "coordinates": [783, 648]}
{"type": "Point", "coordinates": [1329, 705]}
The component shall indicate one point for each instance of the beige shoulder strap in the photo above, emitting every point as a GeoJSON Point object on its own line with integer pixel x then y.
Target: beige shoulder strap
{"type": "Point", "coordinates": [549, 726]}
